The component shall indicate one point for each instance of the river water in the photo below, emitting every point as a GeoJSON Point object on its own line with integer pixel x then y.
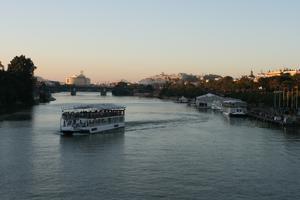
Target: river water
{"type": "Point", "coordinates": [167, 151]}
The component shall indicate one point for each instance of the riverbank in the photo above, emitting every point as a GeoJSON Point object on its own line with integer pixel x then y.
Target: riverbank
{"type": "Point", "coordinates": [270, 116]}
{"type": "Point", "coordinates": [18, 107]}
{"type": "Point", "coordinates": [20, 115]}
{"type": "Point", "coordinates": [262, 113]}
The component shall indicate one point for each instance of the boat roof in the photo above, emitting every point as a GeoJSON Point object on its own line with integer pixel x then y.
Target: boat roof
{"type": "Point", "coordinates": [92, 107]}
{"type": "Point", "coordinates": [209, 97]}
{"type": "Point", "coordinates": [234, 101]}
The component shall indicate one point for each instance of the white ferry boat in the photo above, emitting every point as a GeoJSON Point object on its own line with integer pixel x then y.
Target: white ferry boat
{"type": "Point", "coordinates": [91, 118]}
{"type": "Point", "coordinates": [234, 107]}
{"type": "Point", "coordinates": [216, 105]}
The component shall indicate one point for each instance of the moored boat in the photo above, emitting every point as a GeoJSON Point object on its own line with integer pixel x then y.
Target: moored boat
{"type": "Point", "coordinates": [205, 101]}
{"type": "Point", "coordinates": [216, 105]}
{"type": "Point", "coordinates": [234, 107]}
{"type": "Point", "coordinates": [91, 118]}
{"type": "Point", "coordinates": [182, 100]}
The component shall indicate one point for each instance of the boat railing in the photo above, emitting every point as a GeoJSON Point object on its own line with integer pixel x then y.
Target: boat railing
{"type": "Point", "coordinates": [84, 122]}
{"type": "Point", "coordinates": [234, 104]}
{"type": "Point", "coordinates": [92, 107]}
{"type": "Point", "coordinates": [92, 115]}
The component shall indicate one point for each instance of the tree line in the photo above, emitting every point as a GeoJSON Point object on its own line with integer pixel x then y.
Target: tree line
{"type": "Point", "coordinates": [256, 92]}
{"type": "Point", "coordinates": [125, 89]}
{"type": "Point", "coordinates": [246, 88]}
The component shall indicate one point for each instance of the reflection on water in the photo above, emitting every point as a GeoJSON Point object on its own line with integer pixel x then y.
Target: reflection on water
{"type": "Point", "coordinates": [17, 116]}
{"type": "Point", "coordinates": [249, 122]}
{"type": "Point", "coordinates": [167, 151]}
{"type": "Point", "coordinates": [292, 131]}
{"type": "Point", "coordinates": [94, 140]}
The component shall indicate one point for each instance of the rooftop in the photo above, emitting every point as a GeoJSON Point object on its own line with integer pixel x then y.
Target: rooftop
{"type": "Point", "coordinates": [92, 107]}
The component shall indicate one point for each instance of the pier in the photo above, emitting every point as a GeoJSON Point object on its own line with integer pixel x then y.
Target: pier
{"type": "Point", "coordinates": [284, 111]}
{"type": "Point", "coordinates": [270, 117]}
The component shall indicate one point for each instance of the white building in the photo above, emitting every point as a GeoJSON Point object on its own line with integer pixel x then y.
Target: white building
{"type": "Point", "coordinates": [78, 80]}
{"type": "Point", "coordinates": [279, 72]}
{"type": "Point", "coordinates": [162, 79]}
{"type": "Point", "coordinates": [152, 81]}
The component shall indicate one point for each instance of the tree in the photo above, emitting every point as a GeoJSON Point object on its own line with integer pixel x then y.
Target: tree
{"type": "Point", "coordinates": [122, 89]}
{"type": "Point", "coordinates": [21, 65]}
{"type": "Point", "coordinates": [226, 84]}
{"type": "Point", "coordinates": [245, 83]}
{"type": "Point", "coordinates": [21, 71]}
{"type": "Point", "coordinates": [264, 83]}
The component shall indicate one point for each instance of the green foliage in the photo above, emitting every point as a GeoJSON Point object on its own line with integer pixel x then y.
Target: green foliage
{"type": "Point", "coordinates": [22, 66]}
{"type": "Point", "coordinates": [279, 82]}
{"type": "Point", "coordinates": [17, 83]}
{"type": "Point", "coordinates": [245, 88]}
{"type": "Point", "coordinates": [177, 90]}
{"type": "Point", "coordinates": [122, 89]}
{"type": "Point", "coordinates": [125, 89]}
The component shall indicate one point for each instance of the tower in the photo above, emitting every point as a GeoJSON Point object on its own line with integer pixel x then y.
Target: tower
{"type": "Point", "coordinates": [251, 74]}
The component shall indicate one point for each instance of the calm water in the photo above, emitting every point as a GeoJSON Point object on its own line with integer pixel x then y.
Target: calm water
{"type": "Point", "coordinates": [167, 151]}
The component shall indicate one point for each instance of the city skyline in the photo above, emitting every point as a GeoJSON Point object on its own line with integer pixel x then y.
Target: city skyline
{"type": "Point", "coordinates": [113, 40]}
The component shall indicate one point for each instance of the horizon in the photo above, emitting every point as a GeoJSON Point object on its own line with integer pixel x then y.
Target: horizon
{"type": "Point", "coordinates": [132, 40]}
{"type": "Point", "coordinates": [152, 75]}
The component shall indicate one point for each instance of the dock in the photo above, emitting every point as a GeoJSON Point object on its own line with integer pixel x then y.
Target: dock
{"type": "Point", "coordinates": [272, 117]}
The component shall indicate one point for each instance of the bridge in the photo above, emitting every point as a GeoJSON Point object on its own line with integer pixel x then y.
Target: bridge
{"type": "Point", "coordinates": [93, 88]}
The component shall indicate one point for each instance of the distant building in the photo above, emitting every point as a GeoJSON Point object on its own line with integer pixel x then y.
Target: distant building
{"type": "Point", "coordinates": [153, 81]}
{"type": "Point", "coordinates": [172, 78]}
{"type": "Point", "coordinates": [158, 79]}
{"type": "Point", "coordinates": [46, 82]}
{"type": "Point", "coordinates": [279, 72]}
{"type": "Point", "coordinates": [78, 80]}
{"type": "Point", "coordinates": [188, 77]}
{"type": "Point", "coordinates": [211, 77]}
{"type": "Point", "coordinates": [251, 76]}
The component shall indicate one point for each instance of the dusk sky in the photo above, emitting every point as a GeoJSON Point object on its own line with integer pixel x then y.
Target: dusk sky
{"type": "Point", "coordinates": [131, 39]}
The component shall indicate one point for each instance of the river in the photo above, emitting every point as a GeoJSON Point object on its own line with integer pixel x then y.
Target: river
{"type": "Point", "coordinates": [167, 151]}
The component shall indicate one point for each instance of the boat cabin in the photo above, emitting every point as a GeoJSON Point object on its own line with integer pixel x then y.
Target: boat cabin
{"type": "Point", "coordinates": [92, 118]}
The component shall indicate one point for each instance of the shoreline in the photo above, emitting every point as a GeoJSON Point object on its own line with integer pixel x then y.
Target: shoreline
{"type": "Point", "coordinates": [19, 107]}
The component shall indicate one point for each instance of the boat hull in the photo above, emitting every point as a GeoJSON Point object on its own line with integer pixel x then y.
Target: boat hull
{"type": "Point", "coordinates": [235, 114]}
{"type": "Point", "coordinates": [91, 130]}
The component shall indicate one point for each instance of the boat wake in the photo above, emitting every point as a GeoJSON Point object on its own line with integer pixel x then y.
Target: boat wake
{"type": "Point", "coordinates": [157, 124]}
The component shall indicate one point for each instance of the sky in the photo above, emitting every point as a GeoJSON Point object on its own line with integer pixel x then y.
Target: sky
{"type": "Point", "coordinates": [112, 40]}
